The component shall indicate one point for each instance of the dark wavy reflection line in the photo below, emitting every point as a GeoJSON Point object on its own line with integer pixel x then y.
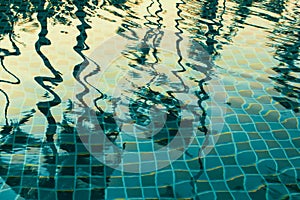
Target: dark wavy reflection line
{"type": "Point", "coordinates": [5, 69]}
{"type": "Point", "coordinates": [204, 115]}
{"type": "Point", "coordinates": [208, 11]}
{"type": "Point", "coordinates": [45, 107]}
{"type": "Point", "coordinates": [9, 21]}
{"type": "Point", "coordinates": [6, 106]}
{"type": "Point", "coordinates": [98, 192]}
{"type": "Point", "coordinates": [93, 73]}
{"type": "Point", "coordinates": [15, 47]}
{"type": "Point", "coordinates": [159, 18]}
{"type": "Point", "coordinates": [78, 69]}
{"type": "Point", "coordinates": [48, 149]}
{"type": "Point", "coordinates": [150, 15]}
{"type": "Point", "coordinates": [81, 46]}
{"type": "Point", "coordinates": [156, 15]}
{"type": "Point", "coordinates": [155, 41]}
{"type": "Point", "coordinates": [179, 54]}
{"type": "Point", "coordinates": [8, 53]}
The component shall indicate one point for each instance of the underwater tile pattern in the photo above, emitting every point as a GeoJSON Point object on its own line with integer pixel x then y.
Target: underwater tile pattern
{"type": "Point", "coordinates": [44, 83]}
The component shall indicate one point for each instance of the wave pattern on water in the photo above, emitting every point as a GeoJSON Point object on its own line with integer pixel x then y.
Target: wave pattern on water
{"type": "Point", "coordinates": [254, 48]}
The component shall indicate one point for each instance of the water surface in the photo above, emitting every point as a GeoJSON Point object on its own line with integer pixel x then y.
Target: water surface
{"type": "Point", "coordinates": [46, 79]}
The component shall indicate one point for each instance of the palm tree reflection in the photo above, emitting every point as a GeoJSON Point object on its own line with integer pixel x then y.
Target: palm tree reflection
{"type": "Point", "coordinates": [44, 167]}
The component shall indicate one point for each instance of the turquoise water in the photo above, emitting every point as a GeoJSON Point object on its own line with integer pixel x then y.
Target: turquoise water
{"type": "Point", "coordinates": [57, 66]}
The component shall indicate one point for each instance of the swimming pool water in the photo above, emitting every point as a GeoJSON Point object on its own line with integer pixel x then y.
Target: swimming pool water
{"type": "Point", "coordinates": [58, 64]}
